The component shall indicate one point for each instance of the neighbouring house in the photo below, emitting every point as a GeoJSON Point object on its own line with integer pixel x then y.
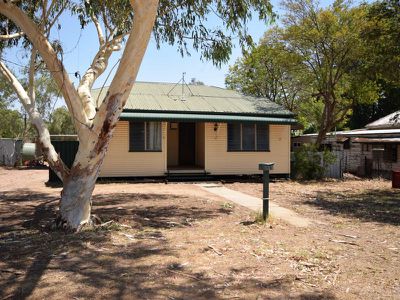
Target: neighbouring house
{"type": "Point", "coordinates": [170, 129]}
{"type": "Point", "coordinates": [371, 151]}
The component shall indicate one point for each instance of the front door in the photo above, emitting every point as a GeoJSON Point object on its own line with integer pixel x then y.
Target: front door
{"type": "Point", "coordinates": [187, 144]}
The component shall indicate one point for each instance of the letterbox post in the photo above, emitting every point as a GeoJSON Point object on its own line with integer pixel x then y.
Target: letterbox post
{"type": "Point", "coordinates": [265, 167]}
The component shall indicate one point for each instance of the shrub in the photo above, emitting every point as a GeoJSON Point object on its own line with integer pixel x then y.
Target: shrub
{"type": "Point", "coordinates": [310, 163]}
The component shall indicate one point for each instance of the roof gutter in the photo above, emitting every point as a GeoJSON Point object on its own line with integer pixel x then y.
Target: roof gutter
{"type": "Point", "coordinates": [273, 115]}
{"type": "Point", "coordinates": [190, 117]}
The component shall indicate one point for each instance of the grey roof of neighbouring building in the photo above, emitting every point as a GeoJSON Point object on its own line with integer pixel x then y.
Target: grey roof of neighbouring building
{"type": "Point", "coordinates": [358, 132]}
{"type": "Point", "coordinates": [199, 100]}
{"type": "Point", "coordinates": [388, 122]}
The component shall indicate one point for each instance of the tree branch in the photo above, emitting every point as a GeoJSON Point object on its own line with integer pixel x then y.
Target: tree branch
{"type": "Point", "coordinates": [98, 66]}
{"type": "Point", "coordinates": [31, 82]}
{"type": "Point", "coordinates": [99, 30]}
{"type": "Point", "coordinates": [107, 26]}
{"type": "Point", "coordinates": [52, 4]}
{"type": "Point", "coordinates": [48, 150]}
{"type": "Point", "coordinates": [55, 66]}
{"type": "Point", "coordinates": [11, 36]}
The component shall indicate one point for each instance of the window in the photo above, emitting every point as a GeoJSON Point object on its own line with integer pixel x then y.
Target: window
{"type": "Point", "coordinates": [248, 137]}
{"type": "Point", "coordinates": [296, 145]}
{"type": "Point", "coordinates": [390, 154]}
{"type": "Point", "coordinates": [234, 137]}
{"type": "Point", "coordinates": [377, 152]}
{"type": "Point", "coordinates": [365, 148]}
{"type": "Point", "coordinates": [385, 152]}
{"type": "Point", "coordinates": [144, 136]}
{"type": "Point", "coordinates": [347, 144]}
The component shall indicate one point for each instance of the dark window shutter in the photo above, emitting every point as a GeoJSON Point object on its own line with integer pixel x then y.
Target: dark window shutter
{"type": "Point", "coordinates": [262, 137]}
{"type": "Point", "coordinates": [136, 136]}
{"type": "Point", "coordinates": [248, 137]}
{"type": "Point", "coordinates": [393, 149]}
{"type": "Point", "coordinates": [234, 137]}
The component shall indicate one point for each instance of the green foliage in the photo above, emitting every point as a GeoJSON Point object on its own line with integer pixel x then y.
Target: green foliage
{"type": "Point", "coordinates": [314, 64]}
{"type": "Point", "coordinates": [183, 21]}
{"type": "Point", "coordinates": [47, 94]}
{"type": "Point", "coordinates": [7, 95]}
{"type": "Point", "coordinates": [271, 72]}
{"type": "Point", "coordinates": [309, 114]}
{"type": "Point", "coordinates": [388, 103]}
{"type": "Point", "coordinates": [61, 122]}
{"type": "Point", "coordinates": [328, 43]}
{"type": "Point", "coordinates": [381, 35]}
{"type": "Point", "coordinates": [11, 123]}
{"type": "Point", "coordinates": [268, 71]}
{"type": "Point", "coordinates": [311, 163]}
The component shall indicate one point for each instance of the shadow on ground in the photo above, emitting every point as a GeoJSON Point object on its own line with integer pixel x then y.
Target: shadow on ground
{"type": "Point", "coordinates": [371, 205]}
{"type": "Point", "coordinates": [38, 263]}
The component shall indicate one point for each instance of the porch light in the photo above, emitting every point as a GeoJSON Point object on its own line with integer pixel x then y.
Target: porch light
{"type": "Point", "coordinates": [215, 126]}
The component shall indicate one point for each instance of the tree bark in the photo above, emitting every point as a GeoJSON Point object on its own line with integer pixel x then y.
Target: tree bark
{"type": "Point", "coordinates": [76, 204]}
{"type": "Point", "coordinates": [78, 186]}
{"type": "Point", "coordinates": [327, 121]}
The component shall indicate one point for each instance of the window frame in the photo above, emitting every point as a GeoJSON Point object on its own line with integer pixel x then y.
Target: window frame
{"type": "Point", "coordinates": [255, 138]}
{"type": "Point", "coordinates": [390, 153]}
{"type": "Point", "coordinates": [365, 148]}
{"type": "Point", "coordinates": [144, 138]}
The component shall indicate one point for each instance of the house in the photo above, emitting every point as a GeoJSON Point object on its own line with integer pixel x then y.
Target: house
{"type": "Point", "coordinates": [196, 129]}
{"type": "Point", "coordinates": [371, 151]}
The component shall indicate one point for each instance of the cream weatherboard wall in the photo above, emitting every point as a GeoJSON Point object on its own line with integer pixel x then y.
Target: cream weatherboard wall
{"type": "Point", "coordinates": [119, 162]}
{"type": "Point", "coordinates": [219, 161]}
{"type": "Point", "coordinates": [172, 146]}
{"type": "Point", "coordinates": [200, 143]}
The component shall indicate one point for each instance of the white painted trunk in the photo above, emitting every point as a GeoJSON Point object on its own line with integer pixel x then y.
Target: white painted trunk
{"type": "Point", "coordinates": [78, 186]}
{"type": "Point", "coordinates": [75, 206]}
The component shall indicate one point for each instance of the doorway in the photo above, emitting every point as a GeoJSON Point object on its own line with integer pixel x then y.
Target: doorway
{"type": "Point", "coordinates": [187, 144]}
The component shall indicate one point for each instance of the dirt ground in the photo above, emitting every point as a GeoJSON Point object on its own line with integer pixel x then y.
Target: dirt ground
{"type": "Point", "coordinates": [177, 241]}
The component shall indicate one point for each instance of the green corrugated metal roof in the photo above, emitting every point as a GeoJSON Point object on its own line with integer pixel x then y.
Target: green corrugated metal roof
{"type": "Point", "coordinates": [202, 99]}
{"type": "Point", "coordinates": [184, 117]}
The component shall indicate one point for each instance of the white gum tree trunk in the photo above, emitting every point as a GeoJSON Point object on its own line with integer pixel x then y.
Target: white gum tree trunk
{"type": "Point", "coordinates": [75, 205]}
{"type": "Point", "coordinates": [94, 128]}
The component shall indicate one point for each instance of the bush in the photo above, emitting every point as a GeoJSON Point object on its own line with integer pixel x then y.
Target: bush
{"type": "Point", "coordinates": [310, 163]}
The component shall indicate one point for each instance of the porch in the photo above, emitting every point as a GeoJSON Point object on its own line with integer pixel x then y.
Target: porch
{"type": "Point", "coordinates": [185, 148]}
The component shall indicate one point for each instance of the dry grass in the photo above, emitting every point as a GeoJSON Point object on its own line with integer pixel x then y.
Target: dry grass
{"type": "Point", "coordinates": [176, 241]}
